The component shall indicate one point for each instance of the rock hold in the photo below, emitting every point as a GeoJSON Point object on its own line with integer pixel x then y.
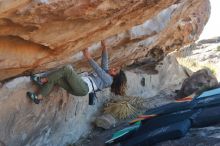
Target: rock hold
{"type": "Point", "coordinates": [106, 121]}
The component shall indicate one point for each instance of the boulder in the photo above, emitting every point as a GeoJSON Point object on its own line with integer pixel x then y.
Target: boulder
{"type": "Point", "coordinates": [41, 35]}
{"type": "Point", "coordinates": [58, 119]}
{"type": "Point", "coordinates": [197, 82]}
{"type": "Point", "coordinates": [106, 121]}
{"type": "Point", "coordinates": [63, 118]}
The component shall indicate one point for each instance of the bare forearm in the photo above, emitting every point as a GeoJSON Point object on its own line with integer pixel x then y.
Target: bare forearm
{"type": "Point", "coordinates": [87, 54]}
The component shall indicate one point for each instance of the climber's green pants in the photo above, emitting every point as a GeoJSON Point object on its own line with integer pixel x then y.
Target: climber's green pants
{"type": "Point", "coordinates": [66, 78]}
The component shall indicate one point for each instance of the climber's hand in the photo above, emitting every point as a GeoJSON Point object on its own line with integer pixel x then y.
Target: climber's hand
{"type": "Point", "coordinates": [87, 54]}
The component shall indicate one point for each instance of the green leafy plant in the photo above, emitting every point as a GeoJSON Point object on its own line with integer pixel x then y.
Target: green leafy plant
{"type": "Point", "coordinates": [218, 48]}
{"type": "Point", "coordinates": [211, 67]}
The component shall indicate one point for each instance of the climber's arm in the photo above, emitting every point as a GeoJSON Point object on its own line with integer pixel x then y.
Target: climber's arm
{"type": "Point", "coordinates": [100, 72]}
{"type": "Point", "coordinates": [104, 61]}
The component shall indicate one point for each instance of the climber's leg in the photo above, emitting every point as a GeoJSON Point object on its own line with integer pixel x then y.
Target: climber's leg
{"type": "Point", "coordinates": [67, 78]}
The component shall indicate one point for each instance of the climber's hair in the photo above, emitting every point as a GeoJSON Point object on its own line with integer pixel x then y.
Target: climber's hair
{"type": "Point", "coordinates": [119, 84]}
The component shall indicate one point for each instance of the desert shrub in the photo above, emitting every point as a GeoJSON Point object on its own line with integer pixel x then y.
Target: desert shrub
{"type": "Point", "coordinates": [218, 48]}
{"type": "Point", "coordinates": [123, 107]}
{"type": "Point", "coordinates": [195, 65]}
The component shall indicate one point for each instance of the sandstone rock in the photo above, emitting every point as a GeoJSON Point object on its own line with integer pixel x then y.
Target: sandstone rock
{"type": "Point", "coordinates": [170, 75]}
{"type": "Point", "coordinates": [200, 80]}
{"type": "Point", "coordinates": [40, 35]}
{"type": "Point", "coordinates": [44, 34]}
{"type": "Point", "coordinates": [106, 121]}
{"type": "Point", "coordinates": [62, 118]}
{"type": "Point", "coordinates": [59, 119]}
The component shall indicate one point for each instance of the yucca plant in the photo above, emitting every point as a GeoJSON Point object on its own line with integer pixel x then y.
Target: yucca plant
{"type": "Point", "coordinates": [123, 107]}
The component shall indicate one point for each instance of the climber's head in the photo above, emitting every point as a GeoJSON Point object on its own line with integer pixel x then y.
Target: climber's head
{"type": "Point", "coordinates": [113, 71]}
{"type": "Point", "coordinates": [119, 82]}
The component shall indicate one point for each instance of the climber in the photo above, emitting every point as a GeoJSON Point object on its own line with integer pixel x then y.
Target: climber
{"type": "Point", "coordinates": [80, 85]}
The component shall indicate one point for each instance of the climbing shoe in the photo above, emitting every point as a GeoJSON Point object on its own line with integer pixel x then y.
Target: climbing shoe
{"type": "Point", "coordinates": [33, 97]}
{"type": "Point", "coordinates": [36, 79]}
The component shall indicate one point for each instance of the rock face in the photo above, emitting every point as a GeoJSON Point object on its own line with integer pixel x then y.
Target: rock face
{"type": "Point", "coordinates": [59, 119]}
{"type": "Point", "coordinates": [62, 118]}
{"type": "Point", "coordinates": [39, 35]}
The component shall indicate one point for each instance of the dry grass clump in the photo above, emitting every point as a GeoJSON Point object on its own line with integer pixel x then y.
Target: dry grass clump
{"type": "Point", "coordinates": [123, 107]}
